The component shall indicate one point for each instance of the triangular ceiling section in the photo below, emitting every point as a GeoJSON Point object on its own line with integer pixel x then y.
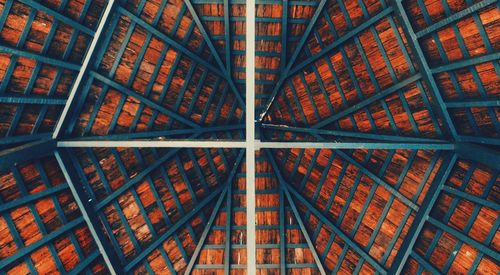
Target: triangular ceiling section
{"type": "Point", "coordinates": [155, 72]}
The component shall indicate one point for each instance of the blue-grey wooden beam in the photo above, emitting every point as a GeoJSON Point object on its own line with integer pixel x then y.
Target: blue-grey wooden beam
{"type": "Point", "coordinates": [90, 56]}
{"type": "Point", "coordinates": [479, 140]}
{"type": "Point", "coordinates": [222, 189]}
{"type": "Point", "coordinates": [43, 100]}
{"type": "Point", "coordinates": [282, 232]}
{"type": "Point", "coordinates": [214, 52]}
{"type": "Point", "coordinates": [454, 17]}
{"type": "Point", "coordinates": [423, 213]}
{"type": "Point", "coordinates": [295, 55]}
{"type": "Point", "coordinates": [229, 214]}
{"type": "Point", "coordinates": [379, 96]}
{"type": "Point", "coordinates": [470, 103]}
{"type": "Point", "coordinates": [43, 241]}
{"type": "Point", "coordinates": [471, 61]}
{"type": "Point", "coordinates": [342, 133]}
{"type": "Point", "coordinates": [284, 36]}
{"type": "Point", "coordinates": [66, 20]}
{"type": "Point", "coordinates": [170, 41]}
{"type": "Point", "coordinates": [478, 153]}
{"type": "Point", "coordinates": [227, 36]}
{"type": "Point", "coordinates": [144, 99]}
{"type": "Point", "coordinates": [40, 58]}
{"type": "Point", "coordinates": [164, 133]}
{"type": "Point", "coordinates": [352, 33]}
{"type": "Point", "coordinates": [466, 239]}
{"type": "Point", "coordinates": [26, 152]}
{"type": "Point", "coordinates": [185, 51]}
{"type": "Point", "coordinates": [330, 224]}
{"type": "Point", "coordinates": [284, 191]}
{"type": "Point", "coordinates": [88, 212]}
{"type": "Point", "coordinates": [204, 235]}
{"type": "Point", "coordinates": [475, 199]}
{"type": "Point", "coordinates": [32, 198]}
{"type": "Point", "coordinates": [24, 138]}
{"type": "Point", "coordinates": [356, 145]}
{"type": "Point", "coordinates": [400, 11]}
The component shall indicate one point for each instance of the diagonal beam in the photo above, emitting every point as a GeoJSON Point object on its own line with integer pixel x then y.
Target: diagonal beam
{"type": "Point", "coordinates": [471, 103]}
{"type": "Point", "coordinates": [214, 52]}
{"type": "Point", "coordinates": [170, 41]}
{"type": "Point", "coordinates": [66, 20]}
{"type": "Point", "coordinates": [165, 133]}
{"type": "Point", "coordinates": [143, 99]}
{"type": "Point", "coordinates": [204, 235]}
{"type": "Point", "coordinates": [454, 17]}
{"type": "Point", "coordinates": [423, 213]}
{"type": "Point", "coordinates": [298, 49]}
{"type": "Point", "coordinates": [88, 212]}
{"type": "Point", "coordinates": [466, 62]}
{"type": "Point", "coordinates": [86, 65]}
{"type": "Point", "coordinates": [478, 153]}
{"type": "Point", "coordinates": [449, 129]}
{"type": "Point", "coordinates": [222, 190]}
{"type": "Point", "coordinates": [379, 96]}
{"type": "Point", "coordinates": [352, 33]}
{"type": "Point", "coordinates": [378, 180]}
{"type": "Point", "coordinates": [290, 190]}
{"type": "Point", "coordinates": [342, 133]}
{"type": "Point", "coordinates": [284, 191]}
{"type": "Point", "coordinates": [356, 145]}
{"type": "Point", "coordinates": [40, 57]}
{"type": "Point", "coordinates": [26, 152]}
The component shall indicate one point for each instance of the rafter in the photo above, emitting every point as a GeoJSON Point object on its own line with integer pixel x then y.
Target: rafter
{"type": "Point", "coordinates": [291, 190]}
{"type": "Point", "coordinates": [455, 17]}
{"type": "Point", "coordinates": [348, 134]}
{"type": "Point", "coordinates": [221, 189]}
{"type": "Point", "coordinates": [88, 212]}
{"type": "Point", "coordinates": [40, 57]}
{"type": "Point", "coordinates": [87, 64]}
{"type": "Point", "coordinates": [214, 52]}
{"type": "Point", "coordinates": [424, 68]}
{"type": "Point", "coordinates": [423, 213]}
{"type": "Point", "coordinates": [291, 62]}
{"type": "Point", "coordinates": [206, 230]}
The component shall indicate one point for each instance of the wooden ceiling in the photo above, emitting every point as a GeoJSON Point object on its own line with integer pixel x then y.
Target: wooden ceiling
{"type": "Point", "coordinates": [393, 73]}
